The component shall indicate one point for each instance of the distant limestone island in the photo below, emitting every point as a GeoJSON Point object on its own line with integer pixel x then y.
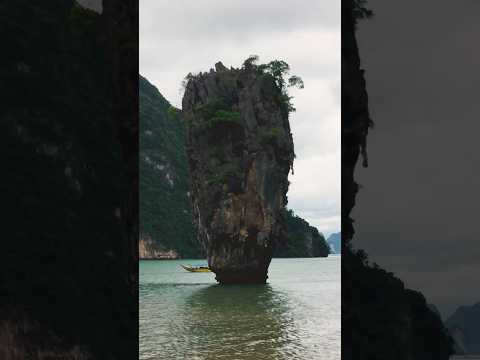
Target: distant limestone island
{"type": "Point", "coordinates": [464, 327]}
{"type": "Point", "coordinates": [335, 243]}
{"type": "Point", "coordinates": [167, 228]}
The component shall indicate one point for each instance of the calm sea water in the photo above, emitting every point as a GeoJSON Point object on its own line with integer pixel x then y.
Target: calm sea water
{"type": "Point", "coordinates": [188, 316]}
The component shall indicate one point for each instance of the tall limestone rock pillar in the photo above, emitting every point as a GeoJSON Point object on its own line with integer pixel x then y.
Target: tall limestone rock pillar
{"type": "Point", "coordinates": [240, 151]}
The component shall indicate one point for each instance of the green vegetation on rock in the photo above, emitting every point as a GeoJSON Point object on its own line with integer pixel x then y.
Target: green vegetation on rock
{"type": "Point", "coordinates": [224, 116]}
{"type": "Point", "coordinates": [278, 70]}
{"type": "Point", "coordinates": [360, 11]}
{"type": "Point", "coordinates": [271, 136]}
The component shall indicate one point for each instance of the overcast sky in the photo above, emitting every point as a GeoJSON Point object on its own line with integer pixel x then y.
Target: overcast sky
{"type": "Point", "coordinates": [417, 214]}
{"type": "Point", "coordinates": [182, 36]}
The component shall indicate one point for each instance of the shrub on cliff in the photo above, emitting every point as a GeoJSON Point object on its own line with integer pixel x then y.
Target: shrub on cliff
{"type": "Point", "coordinates": [278, 70]}
{"type": "Point", "coordinates": [224, 117]}
{"type": "Point", "coordinates": [360, 10]}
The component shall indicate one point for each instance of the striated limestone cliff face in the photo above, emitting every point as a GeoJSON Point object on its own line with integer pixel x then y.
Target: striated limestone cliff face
{"type": "Point", "coordinates": [148, 249]}
{"type": "Point", "coordinates": [381, 319]}
{"type": "Point", "coordinates": [240, 152]}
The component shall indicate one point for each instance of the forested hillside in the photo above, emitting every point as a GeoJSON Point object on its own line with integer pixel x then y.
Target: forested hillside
{"type": "Point", "coordinates": [165, 210]}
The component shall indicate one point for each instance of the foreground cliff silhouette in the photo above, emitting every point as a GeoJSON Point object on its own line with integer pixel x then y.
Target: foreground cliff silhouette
{"type": "Point", "coordinates": [68, 265]}
{"type": "Point", "coordinates": [240, 152]}
{"type": "Point", "coordinates": [380, 318]}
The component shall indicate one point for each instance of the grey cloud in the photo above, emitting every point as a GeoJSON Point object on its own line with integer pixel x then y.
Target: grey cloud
{"type": "Point", "coordinates": [417, 212]}
{"type": "Point", "coordinates": [178, 37]}
{"type": "Point", "coordinates": [212, 20]}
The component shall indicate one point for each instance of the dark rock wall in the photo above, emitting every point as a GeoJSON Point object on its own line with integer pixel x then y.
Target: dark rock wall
{"type": "Point", "coordinates": [380, 318]}
{"type": "Point", "coordinates": [240, 152]}
{"type": "Point", "coordinates": [68, 265]}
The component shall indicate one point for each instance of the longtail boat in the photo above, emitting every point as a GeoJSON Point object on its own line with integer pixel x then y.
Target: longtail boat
{"type": "Point", "coordinates": [196, 268]}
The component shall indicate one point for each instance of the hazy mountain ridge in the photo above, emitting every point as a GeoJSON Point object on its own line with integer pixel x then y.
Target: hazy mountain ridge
{"type": "Point", "coordinates": [464, 326]}
{"type": "Point", "coordinates": [335, 242]}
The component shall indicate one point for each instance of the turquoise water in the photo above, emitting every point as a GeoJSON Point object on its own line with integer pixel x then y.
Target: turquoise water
{"type": "Point", "coordinates": [188, 316]}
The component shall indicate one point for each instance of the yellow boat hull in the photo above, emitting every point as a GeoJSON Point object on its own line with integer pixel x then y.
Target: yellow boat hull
{"type": "Point", "coordinates": [193, 269]}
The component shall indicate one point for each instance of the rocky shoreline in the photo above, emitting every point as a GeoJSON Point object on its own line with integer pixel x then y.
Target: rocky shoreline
{"type": "Point", "coordinates": [148, 250]}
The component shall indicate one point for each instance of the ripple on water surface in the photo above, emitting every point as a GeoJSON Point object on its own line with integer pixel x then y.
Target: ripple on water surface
{"type": "Point", "coordinates": [188, 316]}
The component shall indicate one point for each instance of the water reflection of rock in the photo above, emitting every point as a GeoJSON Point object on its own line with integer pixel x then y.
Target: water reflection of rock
{"type": "Point", "coordinates": [238, 322]}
